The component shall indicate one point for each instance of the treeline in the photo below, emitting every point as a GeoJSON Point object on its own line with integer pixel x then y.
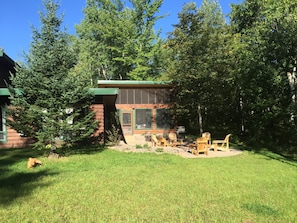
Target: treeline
{"type": "Point", "coordinates": [239, 76]}
{"type": "Point", "coordinates": [234, 74]}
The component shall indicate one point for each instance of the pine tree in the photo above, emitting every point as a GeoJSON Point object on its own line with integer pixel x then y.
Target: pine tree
{"type": "Point", "coordinates": [52, 103]}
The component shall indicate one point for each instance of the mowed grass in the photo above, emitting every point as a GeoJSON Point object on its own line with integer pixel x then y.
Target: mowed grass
{"type": "Point", "coordinates": [113, 186]}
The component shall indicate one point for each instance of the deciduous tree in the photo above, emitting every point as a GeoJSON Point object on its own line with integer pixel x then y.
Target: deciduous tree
{"type": "Point", "coordinates": [199, 45]}
{"type": "Point", "coordinates": [118, 42]}
{"type": "Point", "coordinates": [268, 68]}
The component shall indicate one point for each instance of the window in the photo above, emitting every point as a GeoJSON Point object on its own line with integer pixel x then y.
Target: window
{"type": "Point", "coordinates": [143, 118]}
{"type": "Point", "coordinates": [2, 125]}
{"type": "Point", "coordinates": [164, 118]}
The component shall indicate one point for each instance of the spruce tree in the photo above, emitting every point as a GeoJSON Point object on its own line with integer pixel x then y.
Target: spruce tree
{"type": "Point", "coordinates": [52, 104]}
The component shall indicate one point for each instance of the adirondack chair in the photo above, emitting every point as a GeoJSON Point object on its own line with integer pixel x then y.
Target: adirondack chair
{"type": "Point", "coordinates": [207, 135]}
{"type": "Point", "coordinates": [173, 140]}
{"type": "Point", "coordinates": [201, 146]}
{"type": "Point", "coordinates": [154, 140]}
{"type": "Point", "coordinates": [222, 145]}
{"type": "Point", "coordinates": [159, 141]}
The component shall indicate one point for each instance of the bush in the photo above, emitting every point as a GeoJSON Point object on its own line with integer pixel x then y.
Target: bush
{"type": "Point", "coordinates": [113, 136]}
{"type": "Point", "coordinates": [160, 150]}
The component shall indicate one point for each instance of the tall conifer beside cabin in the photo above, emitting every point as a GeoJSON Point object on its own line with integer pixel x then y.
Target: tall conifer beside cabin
{"type": "Point", "coordinates": [132, 107]}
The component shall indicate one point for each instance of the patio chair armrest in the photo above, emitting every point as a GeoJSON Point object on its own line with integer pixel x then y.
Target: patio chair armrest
{"type": "Point", "coordinates": [218, 141]}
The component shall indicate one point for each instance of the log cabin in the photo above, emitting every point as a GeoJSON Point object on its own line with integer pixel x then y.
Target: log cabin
{"type": "Point", "coordinates": [134, 107]}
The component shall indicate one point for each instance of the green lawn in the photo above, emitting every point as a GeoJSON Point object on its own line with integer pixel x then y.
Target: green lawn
{"type": "Point", "coordinates": [112, 186]}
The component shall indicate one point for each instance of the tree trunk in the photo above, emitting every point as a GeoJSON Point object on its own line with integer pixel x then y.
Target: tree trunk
{"type": "Point", "coordinates": [292, 82]}
{"type": "Point", "coordinates": [199, 118]}
{"type": "Point", "coordinates": [53, 154]}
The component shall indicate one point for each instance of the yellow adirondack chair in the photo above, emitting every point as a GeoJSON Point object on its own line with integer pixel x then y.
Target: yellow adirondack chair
{"type": "Point", "coordinates": [159, 141]}
{"type": "Point", "coordinates": [207, 135]}
{"type": "Point", "coordinates": [201, 146]}
{"type": "Point", "coordinates": [173, 140]}
{"type": "Point", "coordinates": [222, 145]}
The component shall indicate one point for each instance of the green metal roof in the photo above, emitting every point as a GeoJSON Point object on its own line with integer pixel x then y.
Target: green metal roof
{"type": "Point", "coordinates": [95, 91]}
{"type": "Point", "coordinates": [104, 91]}
{"type": "Point", "coordinates": [5, 92]}
{"type": "Point", "coordinates": [130, 82]}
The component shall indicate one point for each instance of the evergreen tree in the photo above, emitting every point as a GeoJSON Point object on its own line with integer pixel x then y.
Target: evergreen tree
{"type": "Point", "coordinates": [52, 103]}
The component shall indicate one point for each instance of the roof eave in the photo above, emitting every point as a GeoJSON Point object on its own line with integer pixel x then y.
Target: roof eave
{"type": "Point", "coordinates": [132, 83]}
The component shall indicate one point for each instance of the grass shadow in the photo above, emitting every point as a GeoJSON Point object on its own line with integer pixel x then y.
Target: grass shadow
{"type": "Point", "coordinates": [17, 181]}
{"type": "Point", "coordinates": [10, 157]}
{"type": "Point", "coordinates": [261, 209]}
{"type": "Point", "coordinates": [80, 150]}
{"type": "Point", "coordinates": [22, 184]}
{"type": "Point", "coordinates": [271, 153]}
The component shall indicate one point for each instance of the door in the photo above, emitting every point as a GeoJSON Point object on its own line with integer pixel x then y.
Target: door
{"type": "Point", "coordinates": [127, 122]}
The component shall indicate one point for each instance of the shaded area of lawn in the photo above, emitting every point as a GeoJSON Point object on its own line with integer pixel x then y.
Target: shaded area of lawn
{"type": "Point", "coordinates": [20, 184]}
{"type": "Point", "coordinates": [271, 153]}
{"type": "Point", "coordinates": [17, 181]}
{"type": "Point", "coordinates": [81, 150]}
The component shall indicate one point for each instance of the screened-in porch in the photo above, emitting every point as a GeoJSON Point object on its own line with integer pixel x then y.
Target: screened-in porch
{"type": "Point", "coordinates": [143, 106]}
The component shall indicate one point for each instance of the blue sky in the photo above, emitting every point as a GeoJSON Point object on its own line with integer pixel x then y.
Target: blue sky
{"type": "Point", "coordinates": [18, 16]}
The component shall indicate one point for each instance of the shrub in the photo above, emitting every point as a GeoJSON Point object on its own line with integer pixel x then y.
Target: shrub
{"type": "Point", "coordinates": [138, 146]}
{"type": "Point", "coordinates": [113, 136]}
{"type": "Point", "coordinates": [159, 150]}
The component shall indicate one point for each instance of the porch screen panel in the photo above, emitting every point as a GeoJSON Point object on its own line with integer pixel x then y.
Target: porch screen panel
{"type": "Point", "coordinates": [168, 96]}
{"type": "Point", "coordinates": [160, 96]}
{"type": "Point", "coordinates": [130, 96]}
{"type": "Point", "coordinates": [137, 96]}
{"type": "Point", "coordinates": [152, 96]}
{"type": "Point", "coordinates": [123, 96]}
{"type": "Point", "coordinates": [144, 96]}
{"type": "Point", "coordinates": [164, 118]}
{"type": "Point", "coordinates": [143, 118]}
